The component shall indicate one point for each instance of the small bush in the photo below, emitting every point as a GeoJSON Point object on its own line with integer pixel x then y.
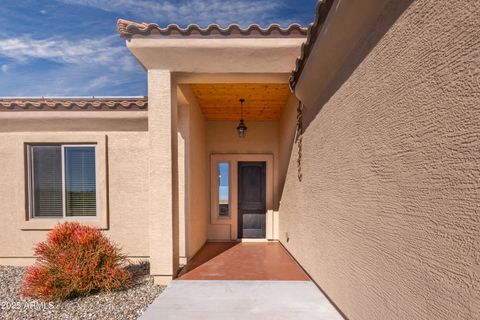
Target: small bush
{"type": "Point", "coordinates": [75, 260]}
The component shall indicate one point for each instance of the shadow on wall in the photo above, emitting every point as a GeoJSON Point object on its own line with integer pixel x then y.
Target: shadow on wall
{"type": "Point", "coordinates": [392, 11]}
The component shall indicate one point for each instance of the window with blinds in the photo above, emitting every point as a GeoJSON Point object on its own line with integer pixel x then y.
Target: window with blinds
{"type": "Point", "coordinates": [80, 183]}
{"type": "Point", "coordinates": [62, 181]}
{"type": "Point", "coordinates": [46, 186]}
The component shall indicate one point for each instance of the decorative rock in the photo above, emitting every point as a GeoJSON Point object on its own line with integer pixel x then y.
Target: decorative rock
{"type": "Point", "coordinates": [125, 304]}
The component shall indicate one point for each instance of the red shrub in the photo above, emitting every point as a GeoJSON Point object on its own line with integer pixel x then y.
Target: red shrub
{"type": "Point", "coordinates": [75, 260]}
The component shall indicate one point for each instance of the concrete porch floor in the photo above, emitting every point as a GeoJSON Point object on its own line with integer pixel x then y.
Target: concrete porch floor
{"type": "Point", "coordinates": [248, 280]}
{"type": "Point", "coordinates": [243, 261]}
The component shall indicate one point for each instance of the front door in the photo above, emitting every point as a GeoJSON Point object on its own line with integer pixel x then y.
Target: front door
{"type": "Point", "coordinates": [251, 199]}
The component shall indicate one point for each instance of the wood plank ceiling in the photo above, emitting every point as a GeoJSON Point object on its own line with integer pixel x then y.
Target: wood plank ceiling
{"type": "Point", "coordinates": [220, 102]}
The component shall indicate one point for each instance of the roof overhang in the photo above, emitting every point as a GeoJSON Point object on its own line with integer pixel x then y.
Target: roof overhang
{"type": "Point", "coordinates": [214, 50]}
{"type": "Point", "coordinates": [329, 46]}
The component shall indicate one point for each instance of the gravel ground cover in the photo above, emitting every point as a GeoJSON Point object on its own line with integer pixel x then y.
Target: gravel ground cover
{"type": "Point", "coordinates": [126, 304]}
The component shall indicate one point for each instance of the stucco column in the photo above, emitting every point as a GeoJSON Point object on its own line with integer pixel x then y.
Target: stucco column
{"type": "Point", "coordinates": [183, 115]}
{"type": "Point", "coordinates": [163, 175]}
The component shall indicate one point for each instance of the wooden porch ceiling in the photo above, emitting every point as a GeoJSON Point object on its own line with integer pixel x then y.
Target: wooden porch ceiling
{"type": "Point", "coordinates": [220, 102]}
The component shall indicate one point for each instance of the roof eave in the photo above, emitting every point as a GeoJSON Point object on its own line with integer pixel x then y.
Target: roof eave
{"type": "Point", "coordinates": [321, 12]}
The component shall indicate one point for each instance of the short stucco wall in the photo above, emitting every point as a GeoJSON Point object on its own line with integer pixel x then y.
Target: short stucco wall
{"type": "Point", "coordinates": [387, 217]}
{"type": "Point", "coordinates": [127, 154]}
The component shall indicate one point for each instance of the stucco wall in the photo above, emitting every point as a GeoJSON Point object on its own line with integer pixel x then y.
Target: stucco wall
{"type": "Point", "coordinates": [387, 217]}
{"type": "Point", "coordinates": [286, 135]}
{"type": "Point", "coordinates": [197, 178]}
{"type": "Point", "coordinates": [128, 191]}
{"type": "Point", "coordinates": [262, 137]}
{"type": "Point", "coordinates": [128, 196]}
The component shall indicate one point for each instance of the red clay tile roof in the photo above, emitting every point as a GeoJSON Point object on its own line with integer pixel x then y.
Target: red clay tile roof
{"type": "Point", "coordinates": [127, 29]}
{"type": "Point", "coordinates": [321, 12]}
{"type": "Point", "coordinates": [74, 104]}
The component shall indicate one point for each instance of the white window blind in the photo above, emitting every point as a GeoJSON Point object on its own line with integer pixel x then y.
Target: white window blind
{"type": "Point", "coordinates": [47, 180]}
{"type": "Point", "coordinates": [80, 183]}
{"type": "Point", "coordinates": [62, 181]}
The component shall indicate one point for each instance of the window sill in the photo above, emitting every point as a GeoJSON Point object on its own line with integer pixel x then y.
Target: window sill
{"type": "Point", "coordinates": [49, 224]}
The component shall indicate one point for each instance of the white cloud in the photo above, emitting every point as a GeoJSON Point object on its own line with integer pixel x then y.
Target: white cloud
{"type": "Point", "coordinates": [98, 82]}
{"type": "Point", "coordinates": [44, 12]}
{"type": "Point", "coordinates": [72, 80]}
{"type": "Point", "coordinates": [202, 12]}
{"type": "Point", "coordinates": [85, 67]}
{"type": "Point", "coordinates": [100, 51]}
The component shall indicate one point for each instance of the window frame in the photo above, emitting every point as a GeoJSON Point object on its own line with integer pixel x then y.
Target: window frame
{"type": "Point", "coordinates": [217, 187]}
{"type": "Point", "coordinates": [30, 182]}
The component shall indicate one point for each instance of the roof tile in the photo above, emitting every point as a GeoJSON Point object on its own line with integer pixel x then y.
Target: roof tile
{"type": "Point", "coordinates": [321, 12]}
{"type": "Point", "coordinates": [74, 104]}
{"type": "Point", "coordinates": [127, 29]}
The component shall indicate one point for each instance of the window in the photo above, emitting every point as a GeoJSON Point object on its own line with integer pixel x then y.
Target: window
{"type": "Point", "coordinates": [62, 181]}
{"type": "Point", "coordinates": [223, 169]}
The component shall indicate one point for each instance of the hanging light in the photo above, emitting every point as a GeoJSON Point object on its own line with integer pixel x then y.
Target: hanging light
{"type": "Point", "coordinates": [242, 128]}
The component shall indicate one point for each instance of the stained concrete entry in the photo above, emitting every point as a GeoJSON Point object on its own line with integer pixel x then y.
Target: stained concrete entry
{"type": "Point", "coordinates": [243, 261]}
{"type": "Point", "coordinates": [242, 281]}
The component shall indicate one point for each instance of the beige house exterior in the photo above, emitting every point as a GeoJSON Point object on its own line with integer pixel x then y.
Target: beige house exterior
{"type": "Point", "coordinates": [370, 148]}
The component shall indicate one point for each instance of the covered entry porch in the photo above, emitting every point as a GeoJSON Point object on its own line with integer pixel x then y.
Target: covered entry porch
{"type": "Point", "coordinates": [206, 183]}
{"type": "Point", "coordinates": [228, 188]}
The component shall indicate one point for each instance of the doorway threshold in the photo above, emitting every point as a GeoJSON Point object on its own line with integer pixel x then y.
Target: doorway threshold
{"type": "Point", "coordinates": [255, 240]}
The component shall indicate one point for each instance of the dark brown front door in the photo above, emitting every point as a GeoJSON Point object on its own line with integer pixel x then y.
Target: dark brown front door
{"type": "Point", "coordinates": [251, 199]}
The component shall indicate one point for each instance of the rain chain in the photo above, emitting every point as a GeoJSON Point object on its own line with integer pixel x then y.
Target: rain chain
{"type": "Point", "coordinates": [298, 139]}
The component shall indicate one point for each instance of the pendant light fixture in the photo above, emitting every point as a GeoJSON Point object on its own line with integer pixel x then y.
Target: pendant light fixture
{"type": "Point", "coordinates": [242, 128]}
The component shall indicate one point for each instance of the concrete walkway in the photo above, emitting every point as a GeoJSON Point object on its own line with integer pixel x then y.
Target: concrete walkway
{"type": "Point", "coordinates": [242, 281]}
{"type": "Point", "coordinates": [242, 300]}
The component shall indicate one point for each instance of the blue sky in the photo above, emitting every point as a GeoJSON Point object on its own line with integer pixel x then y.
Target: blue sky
{"type": "Point", "coordinates": [71, 48]}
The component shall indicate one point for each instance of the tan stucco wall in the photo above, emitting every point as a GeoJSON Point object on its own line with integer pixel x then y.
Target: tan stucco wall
{"type": "Point", "coordinates": [387, 217]}
{"type": "Point", "coordinates": [163, 205]}
{"type": "Point", "coordinates": [77, 121]}
{"type": "Point", "coordinates": [182, 136]}
{"type": "Point", "coordinates": [286, 135]}
{"type": "Point", "coordinates": [196, 174]}
{"type": "Point", "coordinates": [216, 55]}
{"type": "Point", "coordinates": [128, 195]}
{"type": "Point", "coordinates": [261, 138]}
